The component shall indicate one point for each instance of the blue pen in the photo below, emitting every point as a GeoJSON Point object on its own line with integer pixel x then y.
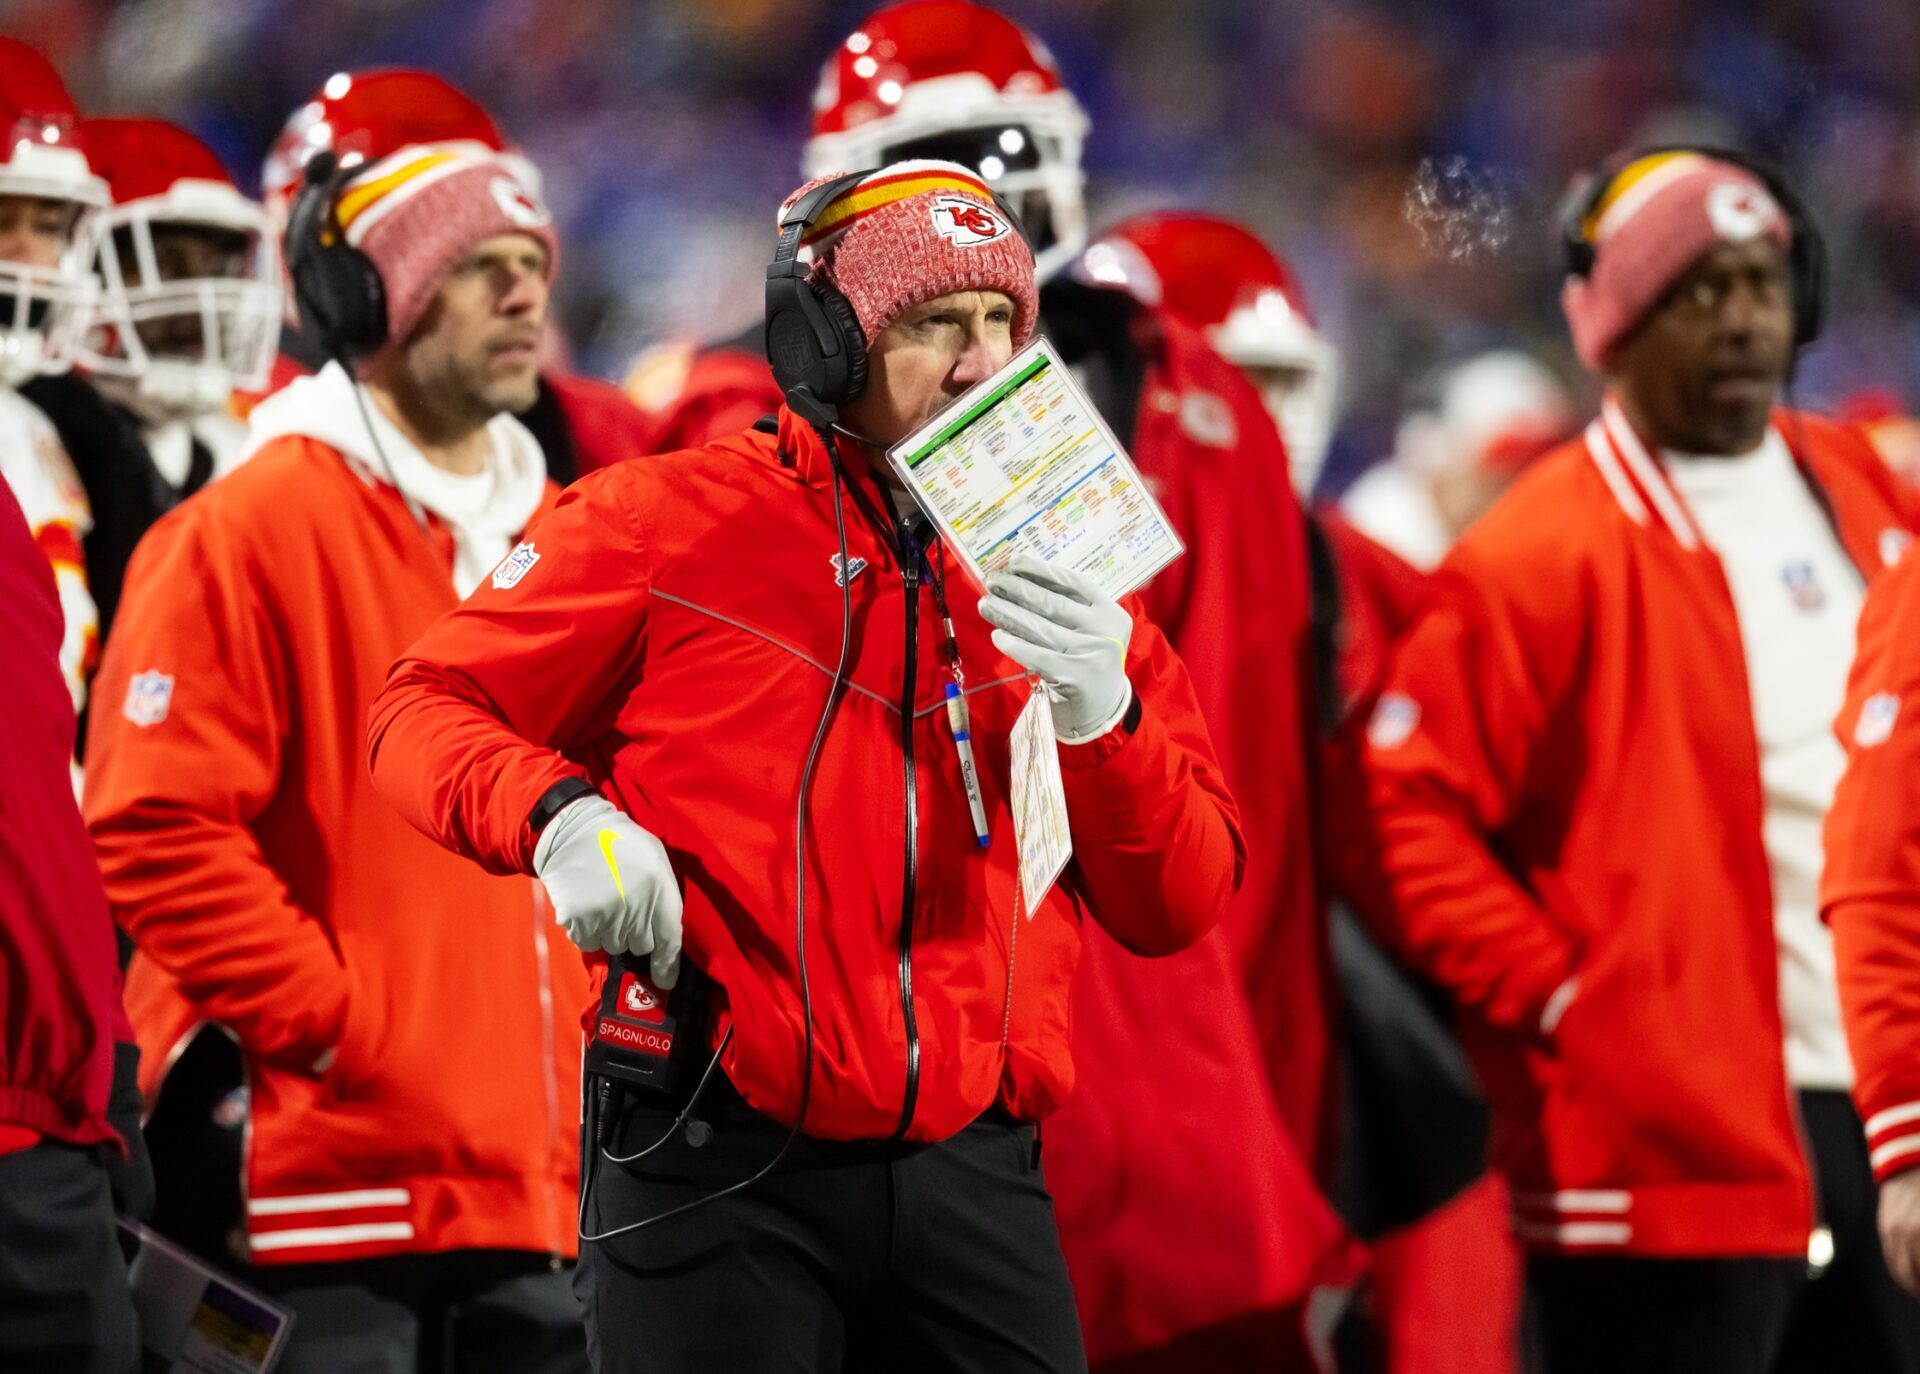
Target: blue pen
{"type": "Point", "coordinates": [963, 745]}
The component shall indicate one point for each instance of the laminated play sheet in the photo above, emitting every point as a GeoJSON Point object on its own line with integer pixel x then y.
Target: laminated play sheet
{"type": "Point", "coordinates": [195, 1319]}
{"type": "Point", "coordinates": [1024, 462]}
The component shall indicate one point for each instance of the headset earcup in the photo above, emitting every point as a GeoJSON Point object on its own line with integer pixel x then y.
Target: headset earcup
{"type": "Point", "coordinates": [853, 340]}
{"type": "Point", "coordinates": [1570, 217]}
{"type": "Point", "coordinates": [338, 288]}
{"type": "Point", "coordinates": [301, 251]}
{"type": "Point", "coordinates": [1807, 264]}
{"type": "Point", "coordinates": [364, 322]}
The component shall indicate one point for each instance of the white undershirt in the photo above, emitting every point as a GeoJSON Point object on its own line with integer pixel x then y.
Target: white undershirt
{"type": "Point", "coordinates": [1797, 597]}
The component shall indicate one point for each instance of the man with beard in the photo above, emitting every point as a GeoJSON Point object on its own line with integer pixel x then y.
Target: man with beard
{"type": "Point", "coordinates": [408, 1188]}
{"type": "Point", "coordinates": [582, 423]}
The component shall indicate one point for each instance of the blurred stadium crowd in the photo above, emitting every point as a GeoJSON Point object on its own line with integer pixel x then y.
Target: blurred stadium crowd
{"type": "Point", "coordinates": [1405, 157]}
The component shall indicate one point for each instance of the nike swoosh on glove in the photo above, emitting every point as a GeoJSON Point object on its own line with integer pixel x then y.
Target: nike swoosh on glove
{"type": "Point", "coordinates": [612, 885]}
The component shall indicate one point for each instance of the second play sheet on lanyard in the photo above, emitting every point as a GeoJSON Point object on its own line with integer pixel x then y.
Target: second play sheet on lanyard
{"type": "Point", "coordinates": [1023, 461]}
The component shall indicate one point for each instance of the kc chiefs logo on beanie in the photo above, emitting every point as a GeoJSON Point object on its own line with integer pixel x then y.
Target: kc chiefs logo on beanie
{"type": "Point", "coordinates": [1658, 215]}
{"type": "Point", "coordinates": [417, 213]}
{"type": "Point", "coordinates": [913, 231]}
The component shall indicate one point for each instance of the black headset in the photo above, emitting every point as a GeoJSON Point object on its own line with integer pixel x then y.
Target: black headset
{"type": "Point", "coordinates": [337, 286]}
{"type": "Point", "coordinates": [813, 337]}
{"type": "Point", "coordinates": [339, 291]}
{"type": "Point", "coordinates": [1806, 258]}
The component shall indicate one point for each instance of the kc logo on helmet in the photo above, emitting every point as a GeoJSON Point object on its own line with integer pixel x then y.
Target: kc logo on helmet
{"type": "Point", "coordinates": [967, 223]}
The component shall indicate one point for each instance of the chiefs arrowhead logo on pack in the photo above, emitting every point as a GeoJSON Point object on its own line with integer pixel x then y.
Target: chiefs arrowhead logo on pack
{"type": "Point", "coordinates": [967, 223]}
{"type": "Point", "coordinates": [640, 1000]}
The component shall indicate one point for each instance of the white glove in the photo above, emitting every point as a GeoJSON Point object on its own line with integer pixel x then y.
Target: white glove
{"type": "Point", "coordinates": [612, 885]}
{"type": "Point", "coordinates": [1055, 622]}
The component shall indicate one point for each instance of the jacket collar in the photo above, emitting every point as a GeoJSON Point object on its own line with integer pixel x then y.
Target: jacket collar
{"type": "Point", "coordinates": [1638, 483]}
{"type": "Point", "coordinates": [800, 447]}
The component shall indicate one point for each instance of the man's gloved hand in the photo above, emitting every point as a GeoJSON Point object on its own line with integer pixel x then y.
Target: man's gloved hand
{"type": "Point", "coordinates": [1055, 622]}
{"type": "Point", "coordinates": [612, 886]}
{"type": "Point", "coordinates": [131, 1178]}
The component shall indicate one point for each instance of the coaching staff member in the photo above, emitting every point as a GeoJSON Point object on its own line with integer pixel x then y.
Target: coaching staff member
{"type": "Point", "coordinates": [648, 670]}
{"type": "Point", "coordinates": [1599, 774]}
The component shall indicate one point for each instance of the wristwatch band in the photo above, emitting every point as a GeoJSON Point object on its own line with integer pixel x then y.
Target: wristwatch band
{"type": "Point", "coordinates": [555, 799]}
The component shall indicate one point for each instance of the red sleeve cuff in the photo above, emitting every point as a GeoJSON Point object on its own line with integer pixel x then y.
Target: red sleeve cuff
{"type": "Point", "coordinates": [1893, 1138]}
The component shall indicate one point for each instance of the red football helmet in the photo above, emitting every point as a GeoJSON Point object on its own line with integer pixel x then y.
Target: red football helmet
{"type": "Point", "coordinates": [953, 80]}
{"type": "Point", "coordinates": [43, 158]}
{"type": "Point", "coordinates": [189, 269]}
{"type": "Point", "coordinates": [365, 116]}
{"type": "Point", "coordinates": [1218, 277]}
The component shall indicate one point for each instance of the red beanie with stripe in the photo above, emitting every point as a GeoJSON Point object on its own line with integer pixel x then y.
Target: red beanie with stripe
{"type": "Point", "coordinates": [913, 231]}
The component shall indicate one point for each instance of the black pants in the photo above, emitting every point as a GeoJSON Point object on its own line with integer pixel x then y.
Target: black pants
{"type": "Point", "coordinates": [1601, 1315]}
{"type": "Point", "coordinates": [196, 1136]}
{"type": "Point", "coordinates": [465, 1312]}
{"type": "Point", "coordinates": [849, 1255]}
{"type": "Point", "coordinates": [64, 1303]}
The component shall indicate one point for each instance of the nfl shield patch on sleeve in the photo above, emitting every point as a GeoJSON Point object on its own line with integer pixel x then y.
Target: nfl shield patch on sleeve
{"type": "Point", "coordinates": [1877, 716]}
{"type": "Point", "coordinates": [149, 695]}
{"type": "Point", "coordinates": [514, 566]}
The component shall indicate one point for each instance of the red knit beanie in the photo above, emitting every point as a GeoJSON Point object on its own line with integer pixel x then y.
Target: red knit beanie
{"type": "Point", "coordinates": [417, 213]}
{"type": "Point", "coordinates": [1659, 214]}
{"type": "Point", "coordinates": [913, 231]}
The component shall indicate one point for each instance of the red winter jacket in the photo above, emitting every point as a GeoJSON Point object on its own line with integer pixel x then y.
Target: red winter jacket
{"type": "Point", "coordinates": [1870, 886]}
{"type": "Point", "coordinates": [59, 984]}
{"type": "Point", "coordinates": [1134, 1164]}
{"type": "Point", "coordinates": [406, 1021]}
{"type": "Point", "coordinates": [1566, 780]}
{"type": "Point", "coordinates": [1214, 459]}
{"type": "Point", "coordinates": [689, 396]}
{"type": "Point", "coordinates": [1137, 1164]}
{"type": "Point", "coordinates": [1239, 605]}
{"type": "Point", "coordinates": [604, 426]}
{"type": "Point", "coordinates": [671, 641]}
